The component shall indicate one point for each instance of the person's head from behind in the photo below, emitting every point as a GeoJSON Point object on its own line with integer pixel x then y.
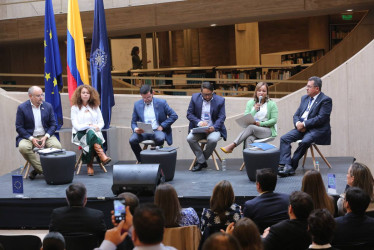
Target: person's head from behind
{"type": "Point", "coordinates": [359, 175]}
{"type": "Point", "coordinates": [166, 198]}
{"type": "Point", "coordinates": [356, 200]}
{"type": "Point", "coordinates": [223, 197]}
{"type": "Point", "coordinates": [262, 89]}
{"type": "Point", "coordinates": [221, 241]}
{"type": "Point", "coordinates": [135, 50]}
{"type": "Point", "coordinates": [76, 195]}
{"type": "Point", "coordinates": [147, 93]}
{"type": "Point", "coordinates": [301, 204]}
{"type": "Point", "coordinates": [246, 232]}
{"type": "Point", "coordinates": [53, 241]}
{"type": "Point", "coordinates": [148, 224]}
{"type": "Point", "coordinates": [266, 180]}
{"type": "Point", "coordinates": [207, 89]}
{"type": "Point", "coordinates": [131, 200]}
{"type": "Point", "coordinates": [321, 225]}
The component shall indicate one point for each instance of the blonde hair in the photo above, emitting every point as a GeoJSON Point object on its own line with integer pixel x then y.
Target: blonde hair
{"type": "Point", "coordinates": [258, 86]}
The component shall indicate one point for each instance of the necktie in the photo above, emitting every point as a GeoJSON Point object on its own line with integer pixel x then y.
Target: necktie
{"type": "Point", "coordinates": [310, 104]}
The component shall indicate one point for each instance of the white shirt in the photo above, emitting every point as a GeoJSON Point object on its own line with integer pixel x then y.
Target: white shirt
{"type": "Point", "coordinates": [306, 112]}
{"type": "Point", "coordinates": [205, 113]}
{"type": "Point", "coordinates": [261, 114]}
{"type": "Point", "coordinates": [150, 116]}
{"type": "Point", "coordinates": [81, 118]}
{"type": "Point", "coordinates": [38, 130]}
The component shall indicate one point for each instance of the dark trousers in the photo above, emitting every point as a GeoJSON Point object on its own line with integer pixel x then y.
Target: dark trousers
{"type": "Point", "coordinates": [285, 147]}
{"type": "Point", "coordinates": [158, 137]}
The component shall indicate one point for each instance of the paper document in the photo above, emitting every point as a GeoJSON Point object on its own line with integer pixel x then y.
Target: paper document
{"type": "Point", "coordinates": [145, 126]}
{"type": "Point", "coordinates": [245, 120]}
{"type": "Point", "coordinates": [200, 130]}
{"type": "Point", "coordinates": [46, 151]}
{"type": "Point", "coordinates": [167, 149]}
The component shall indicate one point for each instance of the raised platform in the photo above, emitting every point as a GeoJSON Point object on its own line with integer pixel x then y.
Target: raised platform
{"type": "Point", "coordinates": [194, 189]}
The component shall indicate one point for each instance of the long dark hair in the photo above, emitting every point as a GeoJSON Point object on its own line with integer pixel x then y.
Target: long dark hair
{"type": "Point", "coordinates": [362, 178]}
{"type": "Point", "coordinates": [222, 199]}
{"type": "Point", "coordinates": [166, 198]}
{"type": "Point", "coordinates": [134, 50]}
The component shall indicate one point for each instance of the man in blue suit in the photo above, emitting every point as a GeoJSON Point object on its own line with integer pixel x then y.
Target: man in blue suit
{"type": "Point", "coordinates": [206, 109]}
{"type": "Point", "coordinates": [312, 124]}
{"type": "Point", "coordinates": [35, 125]}
{"type": "Point", "coordinates": [153, 111]}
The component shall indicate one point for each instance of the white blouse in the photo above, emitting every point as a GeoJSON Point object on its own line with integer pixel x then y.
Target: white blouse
{"type": "Point", "coordinates": [81, 118]}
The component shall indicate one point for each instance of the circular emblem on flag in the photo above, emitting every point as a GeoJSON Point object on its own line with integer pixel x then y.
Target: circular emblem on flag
{"type": "Point", "coordinates": [17, 185]}
{"type": "Point", "coordinates": [99, 59]}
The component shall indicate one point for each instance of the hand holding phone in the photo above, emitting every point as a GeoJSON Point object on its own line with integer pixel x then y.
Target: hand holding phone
{"type": "Point", "coordinates": [119, 210]}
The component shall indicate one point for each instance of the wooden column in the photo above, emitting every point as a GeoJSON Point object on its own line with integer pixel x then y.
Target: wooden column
{"type": "Point", "coordinates": [143, 38]}
{"type": "Point", "coordinates": [319, 33]}
{"type": "Point", "coordinates": [247, 43]}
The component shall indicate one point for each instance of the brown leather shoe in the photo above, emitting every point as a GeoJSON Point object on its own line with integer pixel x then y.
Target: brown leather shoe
{"type": "Point", "coordinates": [100, 152]}
{"type": "Point", "coordinates": [90, 170]}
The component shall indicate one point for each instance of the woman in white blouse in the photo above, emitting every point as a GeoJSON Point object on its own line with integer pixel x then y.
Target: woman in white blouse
{"type": "Point", "coordinates": [87, 122]}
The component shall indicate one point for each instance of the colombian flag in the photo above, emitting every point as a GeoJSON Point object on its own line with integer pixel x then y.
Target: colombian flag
{"type": "Point", "coordinates": [76, 51]}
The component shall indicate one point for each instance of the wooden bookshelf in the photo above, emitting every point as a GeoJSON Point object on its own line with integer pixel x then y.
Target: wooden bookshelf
{"type": "Point", "coordinates": [292, 57]}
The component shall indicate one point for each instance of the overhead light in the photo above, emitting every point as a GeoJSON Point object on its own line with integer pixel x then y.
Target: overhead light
{"type": "Point", "coordinates": [349, 10]}
{"type": "Point", "coordinates": [213, 25]}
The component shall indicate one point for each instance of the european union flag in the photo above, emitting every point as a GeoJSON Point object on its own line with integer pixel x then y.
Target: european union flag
{"type": "Point", "coordinates": [52, 64]}
{"type": "Point", "coordinates": [101, 63]}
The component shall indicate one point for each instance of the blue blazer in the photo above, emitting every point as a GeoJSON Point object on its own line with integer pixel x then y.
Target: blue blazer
{"type": "Point", "coordinates": [217, 112]}
{"type": "Point", "coordinates": [25, 124]}
{"type": "Point", "coordinates": [165, 116]}
{"type": "Point", "coordinates": [318, 122]}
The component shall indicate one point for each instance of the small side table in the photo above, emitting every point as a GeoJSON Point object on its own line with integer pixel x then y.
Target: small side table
{"type": "Point", "coordinates": [58, 168]}
{"type": "Point", "coordinates": [167, 161]}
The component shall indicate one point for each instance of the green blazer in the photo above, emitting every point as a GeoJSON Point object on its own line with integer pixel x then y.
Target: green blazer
{"type": "Point", "coordinates": [272, 115]}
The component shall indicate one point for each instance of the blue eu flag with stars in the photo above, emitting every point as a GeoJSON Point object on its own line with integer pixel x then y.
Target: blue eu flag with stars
{"type": "Point", "coordinates": [100, 63]}
{"type": "Point", "coordinates": [52, 64]}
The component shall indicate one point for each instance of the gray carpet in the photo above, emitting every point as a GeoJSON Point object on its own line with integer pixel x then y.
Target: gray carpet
{"type": "Point", "coordinates": [187, 183]}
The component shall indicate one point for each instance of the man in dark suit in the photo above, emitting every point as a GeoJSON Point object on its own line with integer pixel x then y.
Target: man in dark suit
{"type": "Point", "coordinates": [354, 227]}
{"type": "Point", "coordinates": [268, 208]}
{"type": "Point", "coordinates": [153, 111]}
{"type": "Point", "coordinates": [321, 225]}
{"type": "Point", "coordinates": [206, 109]}
{"type": "Point", "coordinates": [293, 233]}
{"type": "Point", "coordinates": [312, 124]}
{"type": "Point", "coordinates": [35, 125]}
{"type": "Point", "coordinates": [76, 217]}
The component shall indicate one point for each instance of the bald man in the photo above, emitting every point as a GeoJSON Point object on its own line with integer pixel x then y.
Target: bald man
{"type": "Point", "coordinates": [35, 125]}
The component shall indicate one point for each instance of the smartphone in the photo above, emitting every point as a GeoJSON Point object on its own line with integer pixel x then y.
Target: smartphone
{"type": "Point", "coordinates": [331, 184]}
{"type": "Point", "coordinates": [119, 210]}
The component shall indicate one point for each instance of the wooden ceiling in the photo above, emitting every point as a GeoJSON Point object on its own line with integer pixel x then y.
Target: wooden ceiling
{"type": "Point", "coordinates": [181, 15]}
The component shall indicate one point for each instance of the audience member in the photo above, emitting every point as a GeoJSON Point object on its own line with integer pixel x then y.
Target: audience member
{"type": "Point", "coordinates": [246, 232]}
{"type": "Point", "coordinates": [291, 234]}
{"type": "Point", "coordinates": [358, 175]}
{"type": "Point", "coordinates": [148, 229]}
{"type": "Point", "coordinates": [269, 207]}
{"type": "Point", "coordinates": [321, 226]}
{"type": "Point", "coordinates": [313, 185]}
{"type": "Point", "coordinates": [223, 209]}
{"type": "Point", "coordinates": [53, 241]}
{"type": "Point", "coordinates": [221, 241]}
{"type": "Point", "coordinates": [354, 227]}
{"type": "Point", "coordinates": [166, 198]}
{"type": "Point", "coordinates": [76, 217]}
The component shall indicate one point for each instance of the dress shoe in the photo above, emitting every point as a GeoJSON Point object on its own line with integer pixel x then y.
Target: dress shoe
{"type": "Point", "coordinates": [198, 167]}
{"type": "Point", "coordinates": [280, 168]}
{"type": "Point", "coordinates": [226, 151]}
{"type": "Point", "coordinates": [33, 174]}
{"type": "Point", "coordinates": [287, 171]}
{"type": "Point", "coordinates": [90, 170]}
{"type": "Point", "coordinates": [204, 165]}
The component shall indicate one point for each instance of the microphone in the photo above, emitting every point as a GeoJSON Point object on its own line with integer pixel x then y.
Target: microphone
{"type": "Point", "coordinates": [260, 99]}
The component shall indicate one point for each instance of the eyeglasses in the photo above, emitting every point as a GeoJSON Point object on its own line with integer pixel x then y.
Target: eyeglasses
{"type": "Point", "coordinates": [206, 95]}
{"type": "Point", "coordinates": [310, 86]}
{"type": "Point", "coordinates": [38, 96]}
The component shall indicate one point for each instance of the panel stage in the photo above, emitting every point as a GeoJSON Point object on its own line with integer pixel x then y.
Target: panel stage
{"type": "Point", "coordinates": [194, 189]}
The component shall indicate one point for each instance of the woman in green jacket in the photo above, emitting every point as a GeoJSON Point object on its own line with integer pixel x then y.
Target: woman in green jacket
{"type": "Point", "coordinates": [264, 111]}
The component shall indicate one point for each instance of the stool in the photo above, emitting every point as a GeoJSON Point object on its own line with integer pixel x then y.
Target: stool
{"type": "Point", "coordinates": [26, 168]}
{"type": "Point", "coordinates": [314, 159]}
{"type": "Point", "coordinates": [258, 159]}
{"type": "Point", "coordinates": [80, 162]}
{"type": "Point", "coordinates": [58, 168]}
{"type": "Point", "coordinates": [148, 143]}
{"type": "Point", "coordinates": [167, 161]}
{"type": "Point", "coordinates": [203, 142]}
{"type": "Point", "coordinates": [258, 140]}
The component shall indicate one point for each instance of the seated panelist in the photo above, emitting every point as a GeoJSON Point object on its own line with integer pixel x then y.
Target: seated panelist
{"type": "Point", "coordinates": [264, 111]}
{"type": "Point", "coordinates": [87, 122]}
{"type": "Point", "coordinates": [35, 125]}
{"type": "Point", "coordinates": [154, 111]}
